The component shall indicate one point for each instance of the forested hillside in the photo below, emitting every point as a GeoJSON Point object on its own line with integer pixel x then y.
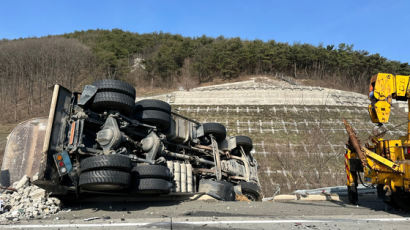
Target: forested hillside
{"type": "Point", "coordinates": [168, 57]}
{"type": "Point", "coordinates": [29, 67]}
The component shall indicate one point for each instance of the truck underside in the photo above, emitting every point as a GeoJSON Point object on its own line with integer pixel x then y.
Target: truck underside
{"type": "Point", "coordinates": [102, 142]}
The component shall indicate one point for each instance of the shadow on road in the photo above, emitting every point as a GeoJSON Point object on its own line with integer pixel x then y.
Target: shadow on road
{"type": "Point", "coordinates": [374, 203]}
{"type": "Point", "coordinates": [116, 203]}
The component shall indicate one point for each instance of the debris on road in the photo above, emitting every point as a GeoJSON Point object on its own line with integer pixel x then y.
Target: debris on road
{"type": "Point", "coordinates": [25, 201]}
{"type": "Point", "coordinates": [267, 199]}
{"type": "Point", "coordinates": [313, 197]}
{"type": "Point", "coordinates": [241, 198]}
{"type": "Point", "coordinates": [92, 218]}
{"type": "Point", "coordinates": [340, 190]}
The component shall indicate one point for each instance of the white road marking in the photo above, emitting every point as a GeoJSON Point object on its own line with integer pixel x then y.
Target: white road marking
{"type": "Point", "coordinates": [136, 224]}
{"type": "Point", "coordinates": [388, 219]}
{"type": "Point", "coordinates": [74, 225]}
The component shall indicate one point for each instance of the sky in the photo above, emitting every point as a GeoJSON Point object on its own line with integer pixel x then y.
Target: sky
{"type": "Point", "coordinates": [378, 26]}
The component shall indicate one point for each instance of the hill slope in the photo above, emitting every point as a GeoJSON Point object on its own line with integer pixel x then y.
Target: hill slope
{"type": "Point", "coordinates": [29, 67]}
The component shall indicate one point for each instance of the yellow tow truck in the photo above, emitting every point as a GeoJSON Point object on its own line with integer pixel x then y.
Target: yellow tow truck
{"type": "Point", "coordinates": [384, 163]}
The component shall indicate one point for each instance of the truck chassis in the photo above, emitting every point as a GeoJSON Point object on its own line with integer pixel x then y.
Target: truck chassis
{"type": "Point", "coordinates": [101, 142]}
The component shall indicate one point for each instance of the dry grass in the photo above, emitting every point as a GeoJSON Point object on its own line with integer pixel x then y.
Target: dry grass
{"type": "Point", "coordinates": [241, 198]}
{"type": "Point", "coordinates": [145, 90]}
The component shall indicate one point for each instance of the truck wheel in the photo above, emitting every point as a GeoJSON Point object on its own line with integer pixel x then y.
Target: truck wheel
{"type": "Point", "coordinates": [118, 162]}
{"type": "Point", "coordinates": [104, 180]}
{"type": "Point", "coordinates": [111, 85]}
{"type": "Point", "coordinates": [157, 118]}
{"type": "Point", "coordinates": [245, 142]}
{"type": "Point", "coordinates": [220, 190]}
{"type": "Point", "coordinates": [151, 104]}
{"type": "Point", "coordinates": [104, 101]}
{"type": "Point", "coordinates": [251, 190]}
{"type": "Point", "coordinates": [216, 129]}
{"type": "Point", "coordinates": [152, 171]}
{"type": "Point", "coordinates": [153, 186]}
{"type": "Point", "coordinates": [400, 200]}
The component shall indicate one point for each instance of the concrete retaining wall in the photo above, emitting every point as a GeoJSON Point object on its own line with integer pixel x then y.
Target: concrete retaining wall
{"type": "Point", "coordinates": [270, 92]}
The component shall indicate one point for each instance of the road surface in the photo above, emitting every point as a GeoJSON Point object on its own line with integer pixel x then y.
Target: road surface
{"type": "Point", "coordinates": [370, 214]}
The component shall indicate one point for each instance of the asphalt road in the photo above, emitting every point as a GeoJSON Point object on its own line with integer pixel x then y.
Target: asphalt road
{"type": "Point", "coordinates": [370, 214]}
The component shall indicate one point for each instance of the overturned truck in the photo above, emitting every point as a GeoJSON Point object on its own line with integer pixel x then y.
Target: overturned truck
{"type": "Point", "coordinates": [101, 142]}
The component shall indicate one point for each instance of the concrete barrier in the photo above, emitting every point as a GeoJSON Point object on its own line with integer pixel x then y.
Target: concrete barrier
{"type": "Point", "coordinates": [315, 197]}
{"type": "Point", "coordinates": [285, 197]}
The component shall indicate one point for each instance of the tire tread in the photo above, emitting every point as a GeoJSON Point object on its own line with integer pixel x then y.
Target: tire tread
{"type": "Point", "coordinates": [118, 162]}
{"type": "Point", "coordinates": [111, 85]}
{"type": "Point", "coordinates": [113, 101]}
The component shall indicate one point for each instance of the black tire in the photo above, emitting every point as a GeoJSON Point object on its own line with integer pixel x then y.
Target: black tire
{"type": "Point", "coordinates": [220, 190]}
{"type": "Point", "coordinates": [110, 85]}
{"type": "Point", "coordinates": [251, 190]}
{"type": "Point", "coordinates": [160, 119]}
{"type": "Point", "coordinates": [153, 186]}
{"type": "Point", "coordinates": [216, 129]}
{"type": "Point", "coordinates": [104, 101]}
{"type": "Point", "coordinates": [104, 180]}
{"type": "Point", "coordinates": [400, 200]}
{"type": "Point", "coordinates": [152, 171]}
{"type": "Point", "coordinates": [151, 104]}
{"type": "Point", "coordinates": [117, 162]}
{"type": "Point", "coordinates": [245, 142]}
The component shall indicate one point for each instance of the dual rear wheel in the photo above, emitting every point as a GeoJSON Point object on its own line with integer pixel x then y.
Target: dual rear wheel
{"type": "Point", "coordinates": [115, 95]}
{"type": "Point", "coordinates": [114, 173]}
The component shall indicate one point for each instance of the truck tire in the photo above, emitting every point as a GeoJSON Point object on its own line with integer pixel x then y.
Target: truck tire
{"type": "Point", "coordinates": [245, 142]}
{"type": "Point", "coordinates": [153, 186]}
{"type": "Point", "coordinates": [216, 129]}
{"type": "Point", "coordinates": [220, 190]}
{"type": "Point", "coordinates": [160, 119]}
{"type": "Point", "coordinates": [104, 101]}
{"type": "Point", "coordinates": [111, 85]}
{"type": "Point", "coordinates": [399, 200]}
{"type": "Point", "coordinates": [151, 104]}
{"type": "Point", "coordinates": [152, 171]}
{"type": "Point", "coordinates": [117, 162]}
{"type": "Point", "coordinates": [251, 190]}
{"type": "Point", "coordinates": [104, 180]}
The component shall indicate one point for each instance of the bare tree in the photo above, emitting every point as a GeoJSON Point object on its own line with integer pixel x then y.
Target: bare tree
{"type": "Point", "coordinates": [29, 67]}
